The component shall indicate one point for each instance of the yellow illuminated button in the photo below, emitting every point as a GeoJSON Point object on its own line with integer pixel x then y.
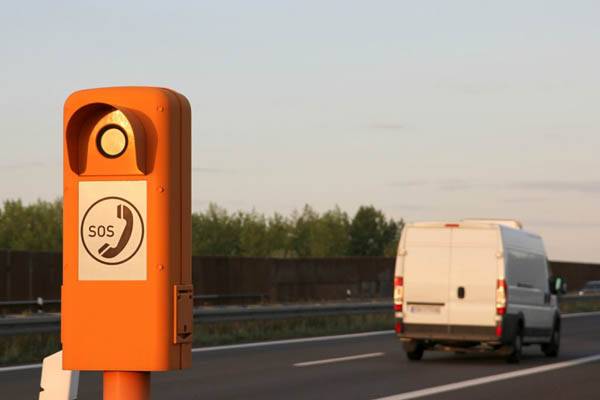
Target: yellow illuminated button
{"type": "Point", "coordinates": [112, 142]}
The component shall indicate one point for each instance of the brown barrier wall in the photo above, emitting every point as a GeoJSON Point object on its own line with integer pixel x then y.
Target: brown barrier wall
{"type": "Point", "coordinates": [239, 280]}
{"type": "Point", "coordinates": [576, 274]}
{"type": "Point", "coordinates": [29, 275]}
{"type": "Point", "coordinates": [294, 279]}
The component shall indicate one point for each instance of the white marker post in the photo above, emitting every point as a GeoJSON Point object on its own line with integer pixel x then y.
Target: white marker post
{"type": "Point", "coordinates": [56, 383]}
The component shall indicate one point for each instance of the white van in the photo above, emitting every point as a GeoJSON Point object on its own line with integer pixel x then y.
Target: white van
{"type": "Point", "coordinates": [476, 285]}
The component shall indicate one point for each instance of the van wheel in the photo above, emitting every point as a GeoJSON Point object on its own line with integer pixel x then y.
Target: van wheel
{"type": "Point", "coordinates": [415, 352]}
{"type": "Point", "coordinates": [517, 349]}
{"type": "Point", "coordinates": [551, 349]}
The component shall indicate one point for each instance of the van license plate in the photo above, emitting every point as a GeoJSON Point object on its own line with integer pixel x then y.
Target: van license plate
{"type": "Point", "coordinates": [425, 309]}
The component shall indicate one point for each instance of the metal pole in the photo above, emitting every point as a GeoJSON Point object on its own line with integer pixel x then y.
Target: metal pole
{"type": "Point", "coordinates": [30, 268]}
{"type": "Point", "coordinates": [126, 385]}
{"type": "Point", "coordinates": [8, 277]}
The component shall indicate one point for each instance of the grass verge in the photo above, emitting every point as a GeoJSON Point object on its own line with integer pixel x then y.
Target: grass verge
{"type": "Point", "coordinates": [28, 348]}
{"type": "Point", "coordinates": [579, 306]}
{"type": "Point", "coordinates": [221, 333]}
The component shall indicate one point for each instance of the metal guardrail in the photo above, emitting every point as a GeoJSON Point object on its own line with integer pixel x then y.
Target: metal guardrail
{"type": "Point", "coordinates": [11, 325]}
{"type": "Point", "coordinates": [575, 298]}
{"type": "Point", "coordinates": [256, 296]}
{"type": "Point", "coordinates": [40, 302]}
{"type": "Point", "coordinates": [223, 314]}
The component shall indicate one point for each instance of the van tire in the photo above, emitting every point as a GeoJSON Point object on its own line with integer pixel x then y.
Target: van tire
{"type": "Point", "coordinates": [517, 349]}
{"type": "Point", "coordinates": [416, 352]}
{"type": "Point", "coordinates": [551, 349]}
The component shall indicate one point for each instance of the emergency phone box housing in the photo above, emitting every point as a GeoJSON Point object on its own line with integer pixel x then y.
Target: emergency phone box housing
{"type": "Point", "coordinates": [127, 297]}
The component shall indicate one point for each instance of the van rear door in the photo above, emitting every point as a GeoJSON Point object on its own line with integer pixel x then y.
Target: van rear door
{"type": "Point", "coordinates": [426, 275]}
{"type": "Point", "coordinates": [473, 276]}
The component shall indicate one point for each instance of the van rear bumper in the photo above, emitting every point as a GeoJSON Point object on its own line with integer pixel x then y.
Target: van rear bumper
{"type": "Point", "coordinates": [449, 333]}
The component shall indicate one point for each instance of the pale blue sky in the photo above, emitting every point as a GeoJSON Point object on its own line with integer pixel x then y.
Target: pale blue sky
{"type": "Point", "coordinates": [428, 110]}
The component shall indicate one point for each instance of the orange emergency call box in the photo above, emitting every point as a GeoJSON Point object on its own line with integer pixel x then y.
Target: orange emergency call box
{"type": "Point", "coordinates": [127, 297]}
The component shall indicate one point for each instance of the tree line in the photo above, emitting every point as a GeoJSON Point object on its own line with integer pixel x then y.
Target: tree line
{"type": "Point", "coordinates": [215, 231]}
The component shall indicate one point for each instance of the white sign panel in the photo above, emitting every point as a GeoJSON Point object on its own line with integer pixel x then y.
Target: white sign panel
{"type": "Point", "coordinates": [112, 230]}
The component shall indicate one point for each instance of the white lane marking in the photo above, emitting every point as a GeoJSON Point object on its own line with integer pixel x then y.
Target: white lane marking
{"type": "Point", "coordinates": [338, 359]}
{"type": "Point", "coordinates": [292, 341]}
{"type": "Point", "coordinates": [20, 367]}
{"type": "Point", "coordinates": [492, 378]}
{"type": "Point", "coordinates": [581, 314]}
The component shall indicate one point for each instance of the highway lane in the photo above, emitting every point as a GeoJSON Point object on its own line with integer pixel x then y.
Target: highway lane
{"type": "Point", "coordinates": [366, 367]}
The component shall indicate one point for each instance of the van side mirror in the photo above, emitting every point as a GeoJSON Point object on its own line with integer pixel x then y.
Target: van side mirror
{"type": "Point", "coordinates": [557, 285]}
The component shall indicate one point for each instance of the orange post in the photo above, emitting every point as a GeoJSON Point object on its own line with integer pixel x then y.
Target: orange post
{"type": "Point", "coordinates": [120, 385]}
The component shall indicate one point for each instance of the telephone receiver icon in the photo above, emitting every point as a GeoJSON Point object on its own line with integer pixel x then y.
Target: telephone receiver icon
{"type": "Point", "coordinates": [107, 251]}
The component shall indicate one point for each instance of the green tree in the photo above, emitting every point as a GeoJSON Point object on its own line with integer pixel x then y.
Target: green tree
{"type": "Point", "coordinates": [37, 226]}
{"type": "Point", "coordinates": [330, 234]}
{"type": "Point", "coordinates": [315, 235]}
{"type": "Point", "coordinates": [279, 236]}
{"type": "Point", "coordinates": [215, 232]}
{"type": "Point", "coordinates": [371, 233]}
{"type": "Point", "coordinates": [391, 247]}
{"type": "Point", "coordinates": [302, 231]}
{"type": "Point", "coordinates": [254, 238]}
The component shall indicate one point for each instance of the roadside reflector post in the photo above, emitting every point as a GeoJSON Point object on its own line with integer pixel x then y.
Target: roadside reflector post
{"type": "Point", "coordinates": [127, 294]}
{"type": "Point", "coordinates": [56, 383]}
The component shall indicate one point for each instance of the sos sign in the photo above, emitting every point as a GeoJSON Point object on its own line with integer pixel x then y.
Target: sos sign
{"type": "Point", "coordinates": [112, 230]}
{"type": "Point", "coordinates": [94, 232]}
{"type": "Point", "coordinates": [127, 297]}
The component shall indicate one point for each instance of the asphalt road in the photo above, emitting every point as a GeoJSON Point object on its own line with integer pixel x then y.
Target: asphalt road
{"type": "Point", "coordinates": [365, 367]}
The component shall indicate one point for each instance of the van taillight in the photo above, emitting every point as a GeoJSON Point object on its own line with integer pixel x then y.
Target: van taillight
{"type": "Point", "coordinates": [452, 225]}
{"type": "Point", "coordinates": [499, 329]}
{"type": "Point", "coordinates": [398, 293]}
{"type": "Point", "coordinates": [398, 327]}
{"type": "Point", "coordinates": [501, 297]}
